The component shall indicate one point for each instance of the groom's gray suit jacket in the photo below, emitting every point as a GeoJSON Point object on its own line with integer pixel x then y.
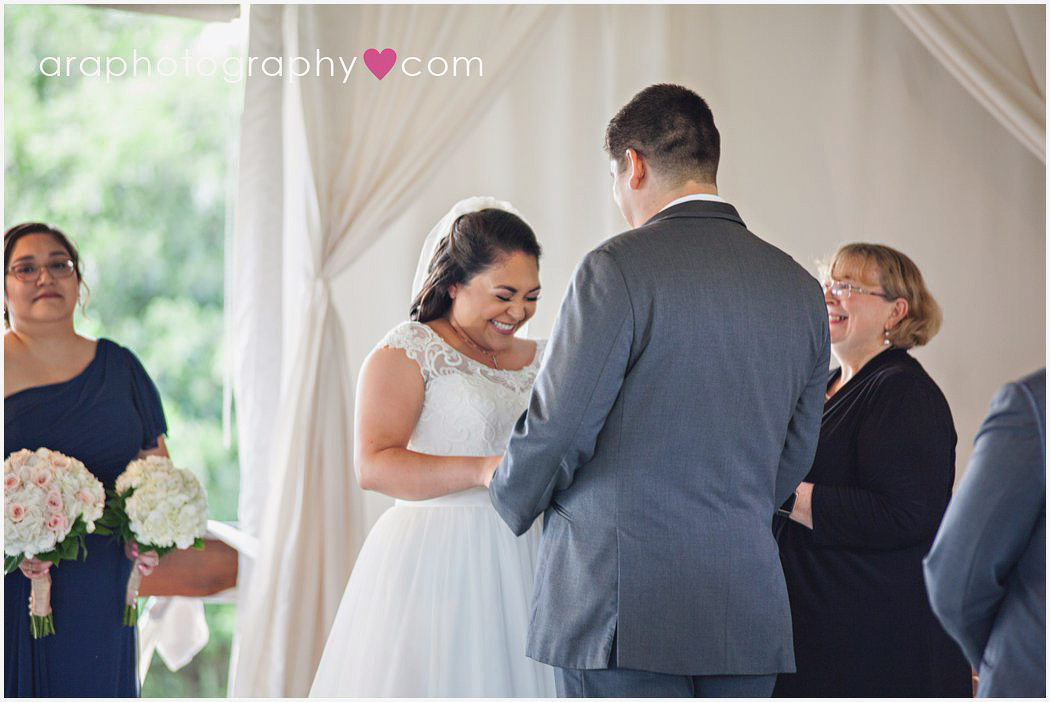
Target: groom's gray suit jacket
{"type": "Point", "coordinates": [678, 405]}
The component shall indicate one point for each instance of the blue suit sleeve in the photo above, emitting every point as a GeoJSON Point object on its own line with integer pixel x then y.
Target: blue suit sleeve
{"type": "Point", "coordinates": [581, 376]}
{"type": "Point", "coordinates": [989, 521]}
{"type": "Point", "coordinates": [800, 445]}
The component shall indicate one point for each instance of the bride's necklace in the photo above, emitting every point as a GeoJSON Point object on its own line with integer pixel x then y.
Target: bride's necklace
{"type": "Point", "coordinates": [469, 342]}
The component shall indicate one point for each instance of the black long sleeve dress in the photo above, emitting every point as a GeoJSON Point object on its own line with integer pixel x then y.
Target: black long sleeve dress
{"type": "Point", "coordinates": [882, 476]}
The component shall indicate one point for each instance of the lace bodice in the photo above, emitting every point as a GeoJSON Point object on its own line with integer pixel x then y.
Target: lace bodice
{"type": "Point", "coordinates": [469, 409]}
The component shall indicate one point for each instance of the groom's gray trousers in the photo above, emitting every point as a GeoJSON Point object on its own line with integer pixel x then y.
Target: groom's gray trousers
{"type": "Point", "coordinates": [622, 682]}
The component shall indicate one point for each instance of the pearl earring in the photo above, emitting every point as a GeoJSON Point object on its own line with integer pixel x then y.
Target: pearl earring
{"type": "Point", "coordinates": [885, 337]}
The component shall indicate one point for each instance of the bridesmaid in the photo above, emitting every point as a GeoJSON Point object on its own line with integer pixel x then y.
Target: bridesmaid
{"type": "Point", "coordinates": [94, 401]}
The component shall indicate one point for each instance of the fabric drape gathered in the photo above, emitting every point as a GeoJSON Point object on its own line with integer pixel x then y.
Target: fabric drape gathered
{"type": "Point", "coordinates": [352, 158]}
{"type": "Point", "coordinates": [998, 53]}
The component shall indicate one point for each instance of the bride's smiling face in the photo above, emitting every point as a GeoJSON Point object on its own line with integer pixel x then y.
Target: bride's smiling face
{"type": "Point", "coordinates": [495, 303]}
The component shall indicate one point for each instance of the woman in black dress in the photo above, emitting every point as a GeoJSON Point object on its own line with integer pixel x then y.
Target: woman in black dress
{"type": "Point", "coordinates": [853, 537]}
{"type": "Point", "coordinates": [94, 401]}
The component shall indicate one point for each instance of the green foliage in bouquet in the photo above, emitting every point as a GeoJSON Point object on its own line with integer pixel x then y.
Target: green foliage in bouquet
{"type": "Point", "coordinates": [152, 476]}
{"type": "Point", "coordinates": [39, 627]}
{"type": "Point", "coordinates": [71, 548]}
{"type": "Point", "coordinates": [115, 520]}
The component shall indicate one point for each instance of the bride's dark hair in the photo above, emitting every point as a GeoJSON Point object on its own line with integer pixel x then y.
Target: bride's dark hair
{"type": "Point", "coordinates": [477, 240]}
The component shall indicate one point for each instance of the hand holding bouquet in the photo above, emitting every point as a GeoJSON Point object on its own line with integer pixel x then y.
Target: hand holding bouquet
{"type": "Point", "coordinates": [50, 502]}
{"type": "Point", "coordinates": [155, 507]}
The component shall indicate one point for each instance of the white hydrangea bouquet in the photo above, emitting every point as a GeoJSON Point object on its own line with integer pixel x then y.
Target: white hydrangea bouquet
{"type": "Point", "coordinates": [157, 507]}
{"type": "Point", "coordinates": [50, 502]}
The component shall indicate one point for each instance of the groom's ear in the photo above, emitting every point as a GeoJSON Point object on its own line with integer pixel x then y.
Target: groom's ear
{"type": "Point", "coordinates": [636, 169]}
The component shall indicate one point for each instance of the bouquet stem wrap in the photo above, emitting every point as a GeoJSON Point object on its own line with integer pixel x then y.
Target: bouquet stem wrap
{"type": "Point", "coordinates": [131, 598]}
{"type": "Point", "coordinates": [154, 508]}
{"type": "Point", "coordinates": [51, 502]}
{"type": "Point", "coordinates": [41, 623]}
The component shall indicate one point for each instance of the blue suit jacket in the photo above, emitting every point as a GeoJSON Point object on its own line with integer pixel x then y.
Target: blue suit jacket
{"type": "Point", "coordinates": [986, 572]}
{"type": "Point", "coordinates": [678, 405]}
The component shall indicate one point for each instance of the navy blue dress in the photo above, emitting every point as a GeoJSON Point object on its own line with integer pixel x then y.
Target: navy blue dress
{"type": "Point", "coordinates": [102, 417]}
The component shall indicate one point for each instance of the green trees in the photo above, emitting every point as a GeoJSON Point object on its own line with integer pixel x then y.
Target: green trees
{"type": "Point", "coordinates": [137, 171]}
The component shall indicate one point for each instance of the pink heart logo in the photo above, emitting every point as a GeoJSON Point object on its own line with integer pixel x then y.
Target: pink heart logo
{"type": "Point", "coordinates": [380, 62]}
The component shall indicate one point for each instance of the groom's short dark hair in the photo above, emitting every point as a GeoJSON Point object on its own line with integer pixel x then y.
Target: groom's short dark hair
{"type": "Point", "coordinates": [673, 128]}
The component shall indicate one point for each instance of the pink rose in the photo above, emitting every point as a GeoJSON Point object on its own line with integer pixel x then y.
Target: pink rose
{"type": "Point", "coordinates": [15, 512]}
{"type": "Point", "coordinates": [57, 522]}
{"type": "Point", "coordinates": [11, 481]}
{"type": "Point", "coordinates": [42, 476]}
{"type": "Point", "coordinates": [84, 496]}
{"type": "Point", "coordinates": [18, 458]}
{"type": "Point", "coordinates": [59, 461]}
{"type": "Point", "coordinates": [54, 501]}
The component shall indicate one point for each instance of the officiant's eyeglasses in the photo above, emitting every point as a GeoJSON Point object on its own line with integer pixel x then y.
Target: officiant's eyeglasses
{"type": "Point", "coordinates": [30, 272]}
{"type": "Point", "coordinates": [841, 289]}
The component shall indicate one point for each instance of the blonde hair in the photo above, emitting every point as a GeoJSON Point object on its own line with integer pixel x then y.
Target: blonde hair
{"type": "Point", "coordinates": [900, 278]}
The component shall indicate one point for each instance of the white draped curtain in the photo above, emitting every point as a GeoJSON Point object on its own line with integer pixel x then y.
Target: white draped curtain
{"type": "Point", "coordinates": [348, 158]}
{"type": "Point", "coordinates": [998, 53]}
{"type": "Point", "coordinates": [837, 125]}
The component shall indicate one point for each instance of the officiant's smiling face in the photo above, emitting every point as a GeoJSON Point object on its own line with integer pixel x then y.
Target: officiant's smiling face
{"type": "Point", "coordinates": [858, 320]}
{"type": "Point", "coordinates": [495, 303]}
{"type": "Point", "coordinates": [43, 297]}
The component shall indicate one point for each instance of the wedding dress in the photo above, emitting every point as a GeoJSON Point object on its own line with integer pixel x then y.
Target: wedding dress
{"type": "Point", "coordinates": [438, 601]}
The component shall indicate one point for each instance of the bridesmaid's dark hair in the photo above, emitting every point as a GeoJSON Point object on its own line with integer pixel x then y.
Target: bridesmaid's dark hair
{"type": "Point", "coordinates": [477, 240]}
{"type": "Point", "coordinates": [13, 234]}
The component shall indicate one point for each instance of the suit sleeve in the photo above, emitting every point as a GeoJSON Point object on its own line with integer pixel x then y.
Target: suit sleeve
{"type": "Point", "coordinates": [581, 376]}
{"type": "Point", "coordinates": [904, 453]}
{"type": "Point", "coordinates": [989, 522]}
{"type": "Point", "coordinates": [800, 445]}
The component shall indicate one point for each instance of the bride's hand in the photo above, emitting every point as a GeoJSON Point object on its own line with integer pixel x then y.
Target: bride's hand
{"type": "Point", "coordinates": [488, 468]}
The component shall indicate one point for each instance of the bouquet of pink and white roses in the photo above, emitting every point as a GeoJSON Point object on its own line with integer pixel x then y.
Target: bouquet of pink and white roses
{"type": "Point", "coordinates": [50, 502]}
{"type": "Point", "coordinates": [155, 507]}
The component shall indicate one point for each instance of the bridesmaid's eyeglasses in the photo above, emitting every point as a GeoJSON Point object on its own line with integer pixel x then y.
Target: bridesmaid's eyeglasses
{"type": "Point", "coordinates": [30, 272]}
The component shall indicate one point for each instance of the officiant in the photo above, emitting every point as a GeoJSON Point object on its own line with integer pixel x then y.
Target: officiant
{"type": "Point", "coordinates": [853, 536]}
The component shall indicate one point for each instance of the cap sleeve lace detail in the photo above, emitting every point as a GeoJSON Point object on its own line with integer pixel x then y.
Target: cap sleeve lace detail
{"type": "Point", "coordinates": [468, 408]}
{"type": "Point", "coordinates": [436, 358]}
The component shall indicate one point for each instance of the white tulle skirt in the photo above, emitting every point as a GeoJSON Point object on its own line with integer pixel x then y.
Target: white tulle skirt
{"type": "Point", "coordinates": [437, 606]}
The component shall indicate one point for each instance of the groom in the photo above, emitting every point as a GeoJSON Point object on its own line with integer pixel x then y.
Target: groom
{"type": "Point", "coordinates": [677, 408]}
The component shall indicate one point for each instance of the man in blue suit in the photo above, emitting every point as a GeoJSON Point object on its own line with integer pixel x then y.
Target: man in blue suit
{"type": "Point", "coordinates": [677, 407]}
{"type": "Point", "coordinates": [986, 572]}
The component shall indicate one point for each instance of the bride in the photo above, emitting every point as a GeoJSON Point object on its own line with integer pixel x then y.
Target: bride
{"type": "Point", "coordinates": [437, 604]}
